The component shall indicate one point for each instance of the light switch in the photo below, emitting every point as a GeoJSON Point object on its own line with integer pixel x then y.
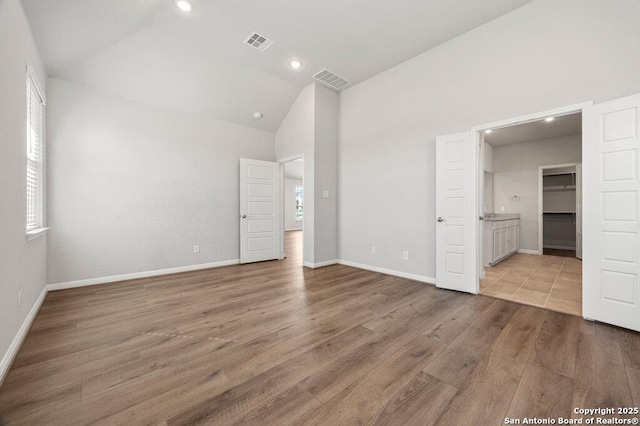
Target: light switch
{"type": "Point", "coordinates": [325, 194]}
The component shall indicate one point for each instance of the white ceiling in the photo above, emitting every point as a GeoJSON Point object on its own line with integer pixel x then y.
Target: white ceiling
{"type": "Point", "coordinates": [149, 51]}
{"type": "Point", "coordinates": [294, 169]}
{"type": "Point", "coordinates": [566, 125]}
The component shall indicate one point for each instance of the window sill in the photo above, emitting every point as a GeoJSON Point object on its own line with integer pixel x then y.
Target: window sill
{"type": "Point", "coordinates": [36, 233]}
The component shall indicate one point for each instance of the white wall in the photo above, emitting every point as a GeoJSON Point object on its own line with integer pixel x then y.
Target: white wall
{"type": "Point", "coordinates": [311, 129]}
{"type": "Point", "coordinates": [487, 156]}
{"type": "Point", "coordinates": [326, 175]}
{"type": "Point", "coordinates": [22, 263]}
{"type": "Point", "coordinates": [133, 187]}
{"type": "Point", "coordinates": [290, 222]}
{"type": "Point", "coordinates": [488, 193]}
{"type": "Point", "coordinates": [544, 55]}
{"type": "Point", "coordinates": [295, 136]}
{"type": "Point", "coordinates": [488, 176]}
{"type": "Point", "coordinates": [516, 173]}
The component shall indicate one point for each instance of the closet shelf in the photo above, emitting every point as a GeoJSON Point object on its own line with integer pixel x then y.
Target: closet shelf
{"type": "Point", "coordinates": [559, 212]}
{"type": "Point", "coordinates": [559, 188]}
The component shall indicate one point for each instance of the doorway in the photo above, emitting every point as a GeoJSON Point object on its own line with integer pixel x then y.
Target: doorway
{"type": "Point", "coordinates": [529, 204]}
{"type": "Point", "coordinates": [560, 210]}
{"type": "Point", "coordinates": [611, 205]}
{"type": "Point", "coordinates": [293, 210]}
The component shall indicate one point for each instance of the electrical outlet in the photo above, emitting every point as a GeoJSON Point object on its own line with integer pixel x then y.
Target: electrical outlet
{"type": "Point", "coordinates": [373, 249]}
{"type": "Point", "coordinates": [325, 194]}
{"type": "Point", "coordinates": [405, 255]}
{"type": "Point", "coordinates": [196, 249]}
{"type": "Point", "coordinates": [501, 208]}
{"type": "Point", "coordinates": [19, 298]}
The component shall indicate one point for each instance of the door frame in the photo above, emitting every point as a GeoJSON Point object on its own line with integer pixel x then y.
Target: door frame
{"type": "Point", "coordinates": [282, 163]}
{"type": "Point", "coordinates": [479, 131]}
{"type": "Point", "coordinates": [541, 199]}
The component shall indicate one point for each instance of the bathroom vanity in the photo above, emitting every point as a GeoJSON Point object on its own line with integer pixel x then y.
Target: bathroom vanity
{"type": "Point", "coordinates": [501, 237]}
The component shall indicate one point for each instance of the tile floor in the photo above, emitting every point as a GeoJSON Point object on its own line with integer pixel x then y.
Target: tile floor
{"type": "Point", "coordinates": [552, 282]}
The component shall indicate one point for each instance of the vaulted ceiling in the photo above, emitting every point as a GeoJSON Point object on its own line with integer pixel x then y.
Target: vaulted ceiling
{"type": "Point", "coordinates": [150, 51]}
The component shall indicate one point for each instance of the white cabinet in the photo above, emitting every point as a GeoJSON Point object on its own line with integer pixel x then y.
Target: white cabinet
{"type": "Point", "coordinates": [501, 240]}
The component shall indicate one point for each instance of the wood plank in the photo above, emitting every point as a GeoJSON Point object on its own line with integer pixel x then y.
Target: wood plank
{"type": "Point", "coordinates": [557, 344]}
{"type": "Point", "coordinates": [232, 404]}
{"type": "Point", "coordinates": [292, 404]}
{"type": "Point", "coordinates": [421, 401]}
{"type": "Point", "coordinates": [331, 380]}
{"type": "Point", "coordinates": [457, 361]}
{"type": "Point", "coordinates": [630, 345]}
{"type": "Point", "coordinates": [484, 398]}
{"type": "Point", "coordinates": [459, 317]}
{"type": "Point", "coordinates": [155, 410]}
{"type": "Point", "coordinates": [542, 393]}
{"type": "Point", "coordinates": [185, 350]}
{"type": "Point", "coordinates": [360, 402]}
{"type": "Point", "coordinates": [21, 408]}
{"type": "Point", "coordinates": [600, 378]}
{"type": "Point", "coordinates": [633, 375]}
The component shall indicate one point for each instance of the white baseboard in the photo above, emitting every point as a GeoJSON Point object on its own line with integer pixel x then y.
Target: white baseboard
{"type": "Point", "coordinates": [8, 358]}
{"type": "Point", "coordinates": [136, 275]}
{"type": "Point", "coordinates": [320, 264]}
{"type": "Point", "coordinates": [415, 277]}
{"type": "Point", "coordinates": [526, 251]}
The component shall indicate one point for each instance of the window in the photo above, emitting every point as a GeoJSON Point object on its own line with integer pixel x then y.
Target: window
{"type": "Point", "coordinates": [299, 202]}
{"type": "Point", "coordinates": [35, 151]}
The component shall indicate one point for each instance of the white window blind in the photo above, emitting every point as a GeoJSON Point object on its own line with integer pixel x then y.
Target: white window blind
{"type": "Point", "coordinates": [35, 178]}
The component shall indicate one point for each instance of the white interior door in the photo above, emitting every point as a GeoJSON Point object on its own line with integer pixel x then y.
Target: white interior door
{"type": "Point", "coordinates": [259, 210]}
{"type": "Point", "coordinates": [611, 206]}
{"type": "Point", "coordinates": [456, 212]}
{"type": "Point", "coordinates": [579, 211]}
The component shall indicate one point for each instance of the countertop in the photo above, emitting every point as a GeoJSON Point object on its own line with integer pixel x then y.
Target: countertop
{"type": "Point", "coordinates": [503, 216]}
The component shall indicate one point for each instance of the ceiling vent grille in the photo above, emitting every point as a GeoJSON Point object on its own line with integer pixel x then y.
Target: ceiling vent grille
{"type": "Point", "coordinates": [258, 41]}
{"type": "Point", "coordinates": [331, 79]}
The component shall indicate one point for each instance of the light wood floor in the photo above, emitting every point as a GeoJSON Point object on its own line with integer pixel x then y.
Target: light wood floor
{"type": "Point", "coordinates": [552, 282]}
{"type": "Point", "coordinates": [274, 344]}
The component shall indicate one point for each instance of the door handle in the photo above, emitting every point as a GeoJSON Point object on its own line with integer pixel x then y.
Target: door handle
{"type": "Point", "coordinates": [244, 216]}
{"type": "Point", "coordinates": [440, 219]}
{"type": "Point", "coordinates": [481, 217]}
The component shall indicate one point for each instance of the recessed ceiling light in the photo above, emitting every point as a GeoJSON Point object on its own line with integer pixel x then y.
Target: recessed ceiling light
{"type": "Point", "coordinates": [548, 119]}
{"type": "Point", "coordinates": [184, 5]}
{"type": "Point", "coordinates": [257, 115]}
{"type": "Point", "coordinates": [295, 64]}
{"type": "Point", "coordinates": [488, 131]}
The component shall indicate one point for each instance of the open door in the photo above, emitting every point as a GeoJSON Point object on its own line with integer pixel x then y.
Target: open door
{"type": "Point", "coordinates": [456, 205]}
{"type": "Point", "coordinates": [611, 207]}
{"type": "Point", "coordinates": [579, 211]}
{"type": "Point", "coordinates": [259, 210]}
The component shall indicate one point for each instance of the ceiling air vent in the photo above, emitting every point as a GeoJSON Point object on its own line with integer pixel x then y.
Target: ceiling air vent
{"type": "Point", "coordinates": [331, 79]}
{"type": "Point", "coordinates": [258, 41]}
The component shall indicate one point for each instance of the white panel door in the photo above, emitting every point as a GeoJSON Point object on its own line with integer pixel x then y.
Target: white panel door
{"type": "Point", "coordinates": [456, 212]}
{"type": "Point", "coordinates": [259, 210]}
{"type": "Point", "coordinates": [579, 211]}
{"type": "Point", "coordinates": [610, 215]}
